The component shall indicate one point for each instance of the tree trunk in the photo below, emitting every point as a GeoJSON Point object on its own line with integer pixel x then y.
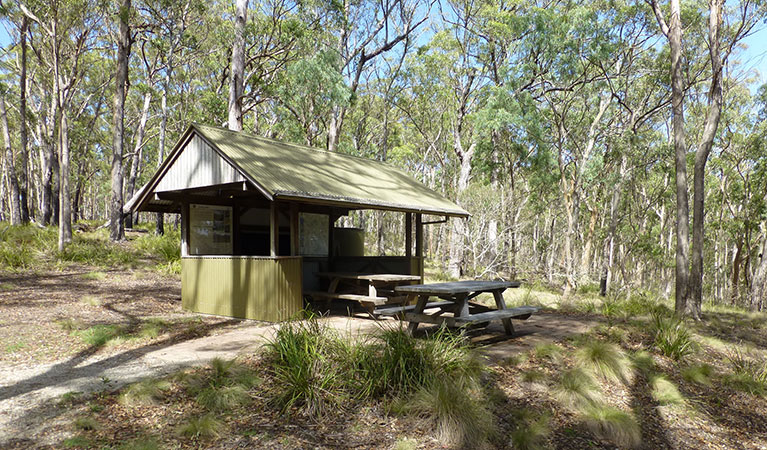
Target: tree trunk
{"type": "Point", "coordinates": [138, 151]}
{"type": "Point", "coordinates": [23, 182]}
{"type": "Point", "coordinates": [10, 167]}
{"type": "Point", "coordinates": [116, 230]}
{"type": "Point", "coordinates": [701, 157]}
{"type": "Point", "coordinates": [237, 71]}
{"type": "Point", "coordinates": [455, 265]}
{"type": "Point", "coordinates": [759, 282]}
{"type": "Point", "coordinates": [65, 203]}
{"type": "Point", "coordinates": [680, 152]}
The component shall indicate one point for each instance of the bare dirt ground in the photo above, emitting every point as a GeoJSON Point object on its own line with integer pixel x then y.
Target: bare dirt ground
{"type": "Point", "coordinates": [72, 333]}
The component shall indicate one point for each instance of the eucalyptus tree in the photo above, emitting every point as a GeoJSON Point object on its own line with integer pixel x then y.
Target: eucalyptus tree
{"type": "Point", "coordinates": [71, 28]}
{"type": "Point", "coordinates": [365, 30]}
{"type": "Point", "coordinates": [116, 230]}
{"type": "Point", "coordinates": [726, 27]}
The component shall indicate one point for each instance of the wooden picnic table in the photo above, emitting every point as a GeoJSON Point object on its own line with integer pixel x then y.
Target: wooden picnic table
{"type": "Point", "coordinates": [456, 296]}
{"type": "Point", "coordinates": [368, 289]}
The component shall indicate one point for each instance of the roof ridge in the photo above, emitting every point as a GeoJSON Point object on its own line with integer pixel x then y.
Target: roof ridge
{"type": "Point", "coordinates": [292, 144]}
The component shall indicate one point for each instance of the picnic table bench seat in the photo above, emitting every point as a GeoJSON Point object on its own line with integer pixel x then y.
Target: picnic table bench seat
{"type": "Point", "coordinates": [317, 295]}
{"type": "Point", "coordinates": [394, 310]}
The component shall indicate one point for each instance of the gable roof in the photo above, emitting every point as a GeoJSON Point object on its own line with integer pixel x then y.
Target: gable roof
{"type": "Point", "coordinates": [283, 171]}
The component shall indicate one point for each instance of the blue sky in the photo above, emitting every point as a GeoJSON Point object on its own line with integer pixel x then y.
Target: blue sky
{"type": "Point", "coordinates": [753, 58]}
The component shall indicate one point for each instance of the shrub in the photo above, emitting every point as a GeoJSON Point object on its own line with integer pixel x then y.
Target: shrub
{"type": "Point", "coordinates": [671, 337]}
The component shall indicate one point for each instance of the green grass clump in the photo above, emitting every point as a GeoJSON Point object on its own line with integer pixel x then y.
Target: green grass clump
{"type": "Point", "coordinates": [86, 423]}
{"type": "Point", "coordinates": [456, 410]}
{"type": "Point", "coordinates": [15, 346]}
{"type": "Point", "coordinates": [549, 351]}
{"type": "Point", "coordinates": [671, 337]}
{"type": "Point", "coordinates": [575, 387]}
{"type": "Point", "coordinates": [533, 376]}
{"type": "Point", "coordinates": [613, 425]}
{"type": "Point", "coordinates": [224, 387]}
{"type": "Point", "coordinates": [145, 392]}
{"type": "Point", "coordinates": [643, 362]}
{"type": "Point", "coordinates": [749, 374]}
{"type": "Point", "coordinates": [100, 335]}
{"type": "Point", "coordinates": [664, 391]}
{"type": "Point", "coordinates": [395, 363]}
{"type": "Point", "coordinates": [405, 444]}
{"type": "Point", "coordinates": [166, 248]}
{"type": "Point", "coordinates": [95, 275]}
{"type": "Point", "coordinates": [308, 375]}
{"type": "Point", "coordinates": [699, 373]}
{"type": "Point", "coordinates": [603, 359]}
{"type": "Point", "coordinates": [141, 443]}
{"type": "Point", "coordinates": [205, 427]}
{"type": "Point", "coordinates": [78, 441]}
{"type": "Point", "coordinates": [531, 431]}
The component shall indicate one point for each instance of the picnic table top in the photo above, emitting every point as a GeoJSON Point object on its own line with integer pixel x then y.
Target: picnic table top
{"type": "Point", "coordinates": [388, 277]}
{"type": "Point", "coordinates": [456, 287]}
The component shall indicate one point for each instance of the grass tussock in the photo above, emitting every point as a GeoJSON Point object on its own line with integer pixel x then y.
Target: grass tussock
{"type": "Point", "coordinates": [146, 392]}
{"type": "Point", "coordinates": [206, 426]}
{"type": "Point", "coordinates": [613, 425]}
{"type": "Point", "coordinates": [224, 387]}
{"type": "Point", "coordinates": [603, 359]}
{"type": "Point", "coordinates": [576, 388]}
{"type": "Point", "coordinates": [531, 431]}
{"type": "Point", "coordinates": [456, 412]}
{"type": "Point", "coordinates": [671, 337]}
{"type": "Point", "coordinates": [698, 373]}
{"type": "Point", "coordinates": [23, 247]}
{"type": "Point", "coordinates": [437, 378]}
{"type": "Point", "coordinates": [664, 391]}
{"type": "Point", "coordinates": [749, 373]}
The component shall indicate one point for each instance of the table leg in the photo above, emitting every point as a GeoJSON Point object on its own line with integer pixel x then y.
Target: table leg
{"type": "Point", "coordinates": [419, 307]}
{"type": "Point", "coordinates": [501, 304]}
{"type": "Point", "coordinates": [461, 306]}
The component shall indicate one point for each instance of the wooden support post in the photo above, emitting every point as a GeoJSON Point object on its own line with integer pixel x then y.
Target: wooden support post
{"type": "Point", "coordinates": [409, 235]}
{"type": "Point", "coordinates": [274, 230]}
{"type": "Point", "coordinates": [293, 229]}
{"type": "Point", "coordinates": [419, 243]}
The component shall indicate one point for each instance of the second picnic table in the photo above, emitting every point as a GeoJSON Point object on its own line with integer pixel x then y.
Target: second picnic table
{"type": "Point", "coordinates": [456, 296]}
{"type": "Point", "coordinates": [368, 289]}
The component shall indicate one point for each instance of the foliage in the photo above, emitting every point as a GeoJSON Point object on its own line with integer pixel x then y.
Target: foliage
{"type": "Point", "coordinates": [749, 373]}
{"type": "Point", "coordinates": [671, 337]}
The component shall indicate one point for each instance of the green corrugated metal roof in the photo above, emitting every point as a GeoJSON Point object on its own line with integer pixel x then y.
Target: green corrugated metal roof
{"type": "Point", "coordinates": [294, 171]}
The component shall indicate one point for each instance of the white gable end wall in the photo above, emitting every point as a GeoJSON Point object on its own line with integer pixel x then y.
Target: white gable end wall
{"type": "Point", "coordinates": [197, 165]}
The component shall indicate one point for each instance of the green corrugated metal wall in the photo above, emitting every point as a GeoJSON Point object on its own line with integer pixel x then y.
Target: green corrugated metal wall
{"type": "Point", "coordinates": [245, 287]}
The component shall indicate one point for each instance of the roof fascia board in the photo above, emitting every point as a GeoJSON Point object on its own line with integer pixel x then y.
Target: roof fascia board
{"type": "Point", "coordinates": [363, 205]}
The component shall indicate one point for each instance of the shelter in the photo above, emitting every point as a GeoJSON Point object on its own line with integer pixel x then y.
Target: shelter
{"type": "Point", "coordinates": [258, 219]}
